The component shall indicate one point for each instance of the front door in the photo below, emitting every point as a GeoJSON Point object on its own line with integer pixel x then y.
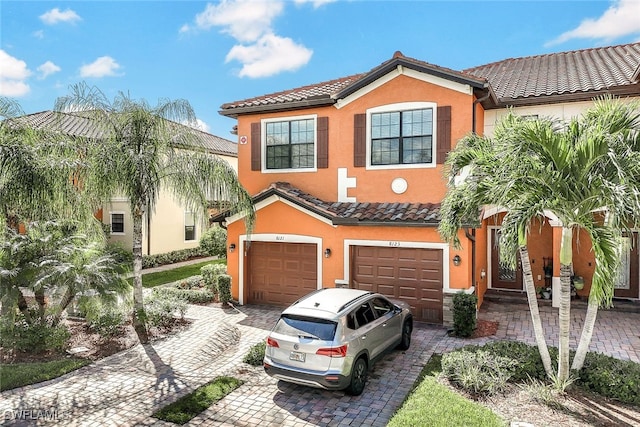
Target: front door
{"type": "Point", "coordinates": [627, 284]}
{"type": "Point", "coordinates": [503, 277]}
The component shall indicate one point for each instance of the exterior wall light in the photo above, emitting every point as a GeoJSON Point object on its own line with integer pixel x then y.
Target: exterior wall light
{"type": "Point", "coordinates": [457, 260]}
{"type": "Point", "coordinates": [232, 247]}
{"type": "Point", "coordinates": [327, 253]}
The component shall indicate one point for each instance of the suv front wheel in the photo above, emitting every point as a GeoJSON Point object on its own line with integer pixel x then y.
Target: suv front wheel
{"type": "Point", "coordinates": [358, 377]}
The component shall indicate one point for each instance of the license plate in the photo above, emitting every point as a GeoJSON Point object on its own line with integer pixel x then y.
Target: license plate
{"type": "Point", "coordinates": [297, 356]}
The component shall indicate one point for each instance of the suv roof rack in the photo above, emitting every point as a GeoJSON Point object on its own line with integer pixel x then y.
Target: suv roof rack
{"type": "Point", "coordinates": [353, 301]}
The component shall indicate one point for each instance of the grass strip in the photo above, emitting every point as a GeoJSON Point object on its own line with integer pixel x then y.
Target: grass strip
{"type": "Point", "coordinates": [189, 406]}
{"type": "Point", "coordinates": [21, 374]}
{"type": "Point", "coordinates": [151, 280]}
{"type": "Point", "coordinates": [432, 404]}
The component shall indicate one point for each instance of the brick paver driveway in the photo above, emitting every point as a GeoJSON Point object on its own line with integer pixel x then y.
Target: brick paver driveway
{"type": "Point", "coordinates": [125, 389]}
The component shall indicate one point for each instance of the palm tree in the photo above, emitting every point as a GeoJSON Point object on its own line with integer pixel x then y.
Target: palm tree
{"type": "Point", "coordinates": [585, 172]}
{"type": "Point", "coordinates": [143, 150]}
{"type": "Point", "coordinates": [35, 166]}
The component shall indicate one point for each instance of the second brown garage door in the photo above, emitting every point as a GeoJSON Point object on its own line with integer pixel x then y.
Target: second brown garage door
{"type": "Point", "coordinates": [413, 275]}
{"type": "Point", "coordinates": [280, 273]}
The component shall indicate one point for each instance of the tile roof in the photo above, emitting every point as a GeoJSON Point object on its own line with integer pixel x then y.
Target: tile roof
{"type": "Point", "coordinates": [580, 72]}
{"type": "Point", "coordinates": [78, 124]}
{"type": "Point", "coordinates": [326, 93]}
{"type": "Point", "coordinates": [573, 75]}
{"type": "Point", "coordinates": [362, 213]}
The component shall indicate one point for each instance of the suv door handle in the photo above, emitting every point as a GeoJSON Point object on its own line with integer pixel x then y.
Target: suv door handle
{"type": "Point", "coordinates": [364, 337]}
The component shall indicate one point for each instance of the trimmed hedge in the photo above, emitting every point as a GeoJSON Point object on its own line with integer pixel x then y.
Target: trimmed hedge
{"type": "Point", "coordinates": [192, 296]}
{"type": "Point", "coordinates": [224, 288]}
{"type": "Point", "coordinates": [464, 314]}
{"type": "Point", "coordinates": [150, 261]}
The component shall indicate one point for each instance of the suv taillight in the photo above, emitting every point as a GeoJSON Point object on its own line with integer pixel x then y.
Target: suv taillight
{"type": "Point", "coordinates": [272, 343]}
{"type": "Point", "coordinates": [333, 351]}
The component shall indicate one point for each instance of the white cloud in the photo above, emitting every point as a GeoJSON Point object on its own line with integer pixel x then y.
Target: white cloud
{"type": "Point", "coordinates": [13, 76]}
{"type": "Point", "coordinates": [55, 16]}
{"type": "Point", "coordinates": [261, 52]}
{"type": "Point", "coordinates": [269, 55]}
{"type": "Point", "coordinates": [244, 20]}
{"type": "Point", "coordinates": [47, 69]}
{"type": "Point", "coordinates": [203, 126]}
{"type": "Point", "coordinates": [101, 67]}
{"type": "Point", "coordinates": [38, 34]}
{"type": "Point", "coordinates": [621, 19]}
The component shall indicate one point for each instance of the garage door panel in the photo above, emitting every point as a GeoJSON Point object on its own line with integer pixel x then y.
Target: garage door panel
{"type": "Point", "coordinates": [412, 275]}
{"type": "Point", "coordinates": [280, 273]}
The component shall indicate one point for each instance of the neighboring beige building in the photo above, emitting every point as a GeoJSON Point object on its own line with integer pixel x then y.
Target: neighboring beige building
{"type": "Point", "coordinates": [171, 227]}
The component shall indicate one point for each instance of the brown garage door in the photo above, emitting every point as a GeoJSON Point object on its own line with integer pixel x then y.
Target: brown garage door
{"type": "Point", "coordinates": [280, 273]}
{"type": "Point", "coordinates": [407, 274]}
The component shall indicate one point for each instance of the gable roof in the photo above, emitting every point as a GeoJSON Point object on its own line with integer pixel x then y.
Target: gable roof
{"type": "Point", "coordinates": [80, 125]}
{"type": "Point", "coordinates": [342, 213]}
{"type": "Point", "coordinates": [329, 92]}
{"type": "Point", "coordinates": [563, 76]}
{"type": "Point", "coordinates": [553, 77]}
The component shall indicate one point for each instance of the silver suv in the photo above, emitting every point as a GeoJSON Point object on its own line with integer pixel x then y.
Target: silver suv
{"type": "Point", "coordinates": [330, 338]}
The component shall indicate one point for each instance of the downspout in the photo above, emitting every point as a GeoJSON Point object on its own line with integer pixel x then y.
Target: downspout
{"type": "Point", "coordinates": [473, 110]}
{"type": "Point", "coordinates": [472, 238]}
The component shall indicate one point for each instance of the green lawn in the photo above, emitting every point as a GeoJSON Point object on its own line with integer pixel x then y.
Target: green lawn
{"type": "Point", "coordinates": [432, 404]}
{"type": "Point", "coordinates": [21, 374]}
{"type": "Point", "coordinates": [187, 407]}
{"type": "Point", "coordinates": [151, 280]}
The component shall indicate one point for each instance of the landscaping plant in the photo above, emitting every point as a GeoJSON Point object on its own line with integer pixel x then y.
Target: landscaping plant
{"type": "Point", "coordinates": [464, 314]}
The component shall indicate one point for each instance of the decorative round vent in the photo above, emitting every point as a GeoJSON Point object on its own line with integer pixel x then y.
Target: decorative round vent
{"type": "Point", "coordinates": [399, 185]}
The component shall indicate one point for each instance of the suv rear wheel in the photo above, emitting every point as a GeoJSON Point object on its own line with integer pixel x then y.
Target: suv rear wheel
{"type": "Point", "coordinates": [405, 342]}
{"type": "Point", "coordinates": [358, 377]}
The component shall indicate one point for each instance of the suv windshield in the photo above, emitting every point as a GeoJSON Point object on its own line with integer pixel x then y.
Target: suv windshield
{"type": "Point", "coordinates": [306, 327]}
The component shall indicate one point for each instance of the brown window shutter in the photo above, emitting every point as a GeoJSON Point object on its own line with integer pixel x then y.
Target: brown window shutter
{"type": "Point", "coordinates": [255, 147]}
{"type": "Point", "coordinates": [323, 142]}
{"type": "Point", "coordinates": [359, 140]}
{"type": "Point", "coordinates": [443, 139]}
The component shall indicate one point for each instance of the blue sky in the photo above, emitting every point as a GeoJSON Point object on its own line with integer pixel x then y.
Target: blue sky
{"type": "Point", "coordinates": [215, 52]}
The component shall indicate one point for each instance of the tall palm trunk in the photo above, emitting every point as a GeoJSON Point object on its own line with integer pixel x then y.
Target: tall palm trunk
{"type": "Point", "coordinates": [587, 333]}
{"type": "Point", "coordinates": [535, 312]}
{"type": "Point", "coordinates": [139, 317]}
{"type": "Point", "coordinates": [564, 315]}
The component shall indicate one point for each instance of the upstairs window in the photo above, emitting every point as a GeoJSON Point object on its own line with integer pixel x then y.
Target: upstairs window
{"type": "Point", "coordinates": [290, 144]}
{"type": "Point", "coordinates": [117, 223]}
{"type": "Point", "coordinates": [189, 226]}
{"type": "Point", "coordinates": [402, 137]}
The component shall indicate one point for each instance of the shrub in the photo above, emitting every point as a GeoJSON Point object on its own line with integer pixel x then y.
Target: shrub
{"type": "Point", "coordinates": [162, 307]}
{"type": "Point", "coordinates": [121, 256]}
{"type": "Point", "coordinates": [214, 241]}
{"type": "Point", "coordinates": [149, 261]}
{"type": "Point", "coordinates": [527, 357]}
{"type": "Point", "coordinates": [464, 314]}
{"type": "Point", "coordinates": [192, 296]}
{"type": "Point", "coordinates": [193, 282]}
{"type": "Point", "coordinates": [610, 377]}
{"type": "Point", "coordinates": [210, 273]}
{"type": "Point", "coordinates": [104, 318]}
{"type": "Point", "coordinates": [255, 356]}
{"type": "Point", "coordinates": [478, 372]}
{"type": "Point", "coordinates": [36, 337]}
{"type": "Point", "coordinates": [224, 288]}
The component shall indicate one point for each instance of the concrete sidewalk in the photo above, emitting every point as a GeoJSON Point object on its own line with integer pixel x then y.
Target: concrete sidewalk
{"type": "Point", "coordinates": [173, 266]}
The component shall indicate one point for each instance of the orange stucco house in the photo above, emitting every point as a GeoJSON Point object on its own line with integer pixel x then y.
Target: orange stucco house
{"type": "Point", "coordinates": [347, 177]}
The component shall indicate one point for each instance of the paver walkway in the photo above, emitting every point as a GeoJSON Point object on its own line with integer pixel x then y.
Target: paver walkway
{"type": "Point", "coordinates": [125, 389]}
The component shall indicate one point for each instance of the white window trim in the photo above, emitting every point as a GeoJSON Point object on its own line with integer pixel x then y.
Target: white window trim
{"type": "Point", "coordinates": [263, 143]}
{"type": "Point", "coordinates": [195, 225]}
{"type": "Point", "coordinates": [124, 217]}
{"type": "Point", "coordinates": [403, 106]}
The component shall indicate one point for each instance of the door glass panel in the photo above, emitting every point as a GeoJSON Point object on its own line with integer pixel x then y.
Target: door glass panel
{"type": "Point", "coordinates": [623, 281]}
{"type": "Point", "coordinates": [505, 273]}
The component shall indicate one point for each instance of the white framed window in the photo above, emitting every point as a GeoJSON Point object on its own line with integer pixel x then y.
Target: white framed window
{"type": "Point", "coordinates": [117, 222]}
{"type": "Point", "coordinates": [289, 143]}
{"type": "Point", "coordinates": [401, 135]}
{"type": "Point", "coordinates": [189, 226]}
